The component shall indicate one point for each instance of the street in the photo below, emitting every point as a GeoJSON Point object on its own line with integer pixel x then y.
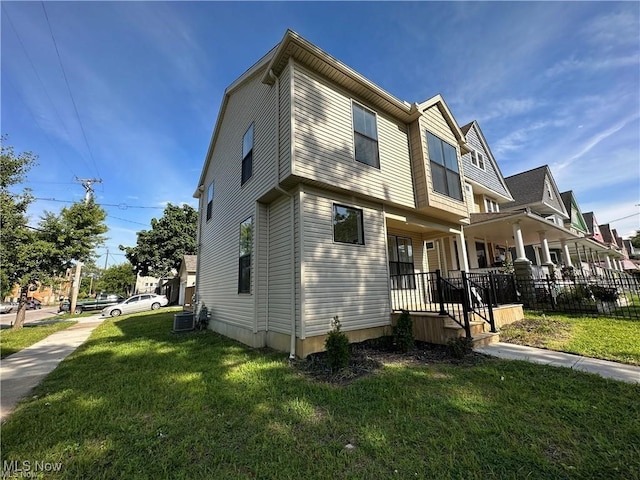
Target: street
{"type": "Point", "coordinates": [7, 319]}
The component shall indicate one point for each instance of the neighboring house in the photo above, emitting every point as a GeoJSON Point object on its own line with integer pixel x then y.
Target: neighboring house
{"type": "Point", "coordinates": [527, 225]}
{"type": "Point", "coordinates": [319, 186]}
{"type": "Point", "coordinates": [187, 277]}
{"type": "Point", "coordinates": [485, 192]}
{"type": "Point", "coordinates": [147, 284]}
{"type": "Point", "coordinates": [576, 221]}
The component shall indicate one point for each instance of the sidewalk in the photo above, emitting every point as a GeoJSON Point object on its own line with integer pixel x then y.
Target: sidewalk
{"type": "Point", "coordinates": [604, 368]}
{"type": "Point", "coordinates": [22, 371]}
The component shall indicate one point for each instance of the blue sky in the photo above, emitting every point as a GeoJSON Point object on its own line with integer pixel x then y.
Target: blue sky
{"type": "Point", "coordinates": [549, 83]}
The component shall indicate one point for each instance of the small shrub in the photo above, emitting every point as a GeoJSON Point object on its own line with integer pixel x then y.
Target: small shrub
{"type": "Point", "coordinates": [403, 333]}
{"type": "Point", "coordinates": [460, 347]}
{"type": "Point", "coordinates": [337, 346]}
{"type": "Point", "coordinates": [605, 294]}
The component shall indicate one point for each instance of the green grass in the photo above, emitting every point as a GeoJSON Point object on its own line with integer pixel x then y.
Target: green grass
{"type": "Point", "coordinates": [12, 341]}
{"type": "Point", "coordinates": [136, 401]}
{"type": "Point", "coordinates": [615, 339]}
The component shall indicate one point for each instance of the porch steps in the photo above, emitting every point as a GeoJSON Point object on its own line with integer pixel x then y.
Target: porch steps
{"type": "Point", "coordinates": [480, 336]}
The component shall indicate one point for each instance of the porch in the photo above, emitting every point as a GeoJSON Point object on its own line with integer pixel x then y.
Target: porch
{"type": "Point", "coordinates": [471, 305]}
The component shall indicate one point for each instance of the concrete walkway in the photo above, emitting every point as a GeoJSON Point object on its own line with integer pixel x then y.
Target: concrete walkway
{"type": "Point", "coordinates": [604, 368]}
{"type": "Point", "coordinates": [22, 371]}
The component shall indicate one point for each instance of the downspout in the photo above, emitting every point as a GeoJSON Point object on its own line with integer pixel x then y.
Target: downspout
{"type": "Point", "coordinates": [292, 347]}
{"type": "Point", "coordinates": [196, 300]}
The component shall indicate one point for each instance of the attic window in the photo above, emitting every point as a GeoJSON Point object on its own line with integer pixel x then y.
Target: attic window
{"type": "Point", "coordinates": [247, 155]}
{"type": "Point", "coordinates": [365, 134]}
{"type": "Point", "coordinates": [477, 159]}
{"type": "Point", "coordinates": [209, 200]}
{"type": "Point", "coordinates": [548, 188]}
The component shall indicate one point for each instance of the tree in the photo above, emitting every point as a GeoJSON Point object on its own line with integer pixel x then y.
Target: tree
{"type": "Point", "coordinates": [118, 279]}
{"type": "Point", "coordinates": [635, 240]}
{"type": "Point", "coordinates": [34, 255]}
{"type": "Point", "coordinates": [160, 250]}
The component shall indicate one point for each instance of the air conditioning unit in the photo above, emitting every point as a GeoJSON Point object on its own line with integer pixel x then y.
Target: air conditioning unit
{"type": "Point", "coordinates": [183, 322]}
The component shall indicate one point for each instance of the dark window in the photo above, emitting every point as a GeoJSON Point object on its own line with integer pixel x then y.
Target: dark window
{"type": "Point", "coordinates": [209, 200]}
{"type": "Point", "coordinates": [365, 135]}
{"type": "Point", "coordinates": [246, 242]}
{"type": "Point", "coordinates": [247, 155]}
{"type": "Point", "coordinates": [444, 167]}
{"type": "Point", "coordinates": [481, 255]}
{"type": "Point", "coordinates": [347, 225]}
{"type": "Point", "coordinates": [401, 262]}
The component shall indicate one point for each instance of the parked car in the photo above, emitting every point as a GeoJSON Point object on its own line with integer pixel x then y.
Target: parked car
{"type": "Point", "coordinates": [137, 303]}
{"type": "Point", "coordinates": [102, 300]}
{"type": "Point", "coordinates": [6, 307]}
{"type": "Point", "coordinates": [33, 304]}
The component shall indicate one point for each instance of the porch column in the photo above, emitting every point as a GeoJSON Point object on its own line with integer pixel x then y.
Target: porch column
{"type": "Point", "coordinates": [517, 236]}
{"type": "Point", "coordinates": [620, 267]}
{"type": "Point", "coordinates": [462, 252]}
{"type": "Point", "coordinates": [607, 261]}
{"type": "Point", "coordinates": [546, 254]}
{"type": "Point", "coordinates": [565, 252]}
{"type": "Point", "coordinates": [473, 254]}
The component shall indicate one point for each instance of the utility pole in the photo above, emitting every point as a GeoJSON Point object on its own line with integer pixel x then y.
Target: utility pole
{"type": "Point", "coordinates": [88, 196]}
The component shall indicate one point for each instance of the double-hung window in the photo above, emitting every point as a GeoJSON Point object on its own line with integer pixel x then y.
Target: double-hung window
{"type": "Point", "coordinates": [365, 133]}
{"type": "Point", "coordinates": [347, 225]}
{"type": "Point", "coordinates": [209, 200]}
{"type": "Point", "coordinates": [401, 262]}
{"type": "Point", "coordinates": [491, 205]}
{"type": "Point", "coordinates": [445, 174]}
{"type": "Point", "coordinates": [247, 155]}
{"type": "Point", "coordinates": [244, 268]}
{"type": "Point", "coordinates": [477, 159]}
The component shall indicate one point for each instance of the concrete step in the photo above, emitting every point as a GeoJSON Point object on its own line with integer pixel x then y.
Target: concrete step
{"type": "Point", "coordinates": [484, 339]}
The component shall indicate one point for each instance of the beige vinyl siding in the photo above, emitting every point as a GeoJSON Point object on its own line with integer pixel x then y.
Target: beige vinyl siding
{"type": "Point", "coordinates": [280, 282]}
{"type": "Point", "coordinates": [252, 102]}
{"type": "Point", "coordinates": [324, 144]}
{"type": "Point", "coordinates": [285, 124]}
{"type": "Point", "coordinates": [434, 122]}
{"type": "Point", "coordinates": [433, 263]}
{"type": "Point", "coordinates": [350, 281]}
{"type": "Point", "coordinates": [261, 236]}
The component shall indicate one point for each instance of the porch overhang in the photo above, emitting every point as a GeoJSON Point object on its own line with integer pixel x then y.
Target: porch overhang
{"type": "Point", "coordinates": [579, 246]}
{"type": "Point", "coordinates": [430, 228]}
{"type": "Point", "coordinates": [498, 228]}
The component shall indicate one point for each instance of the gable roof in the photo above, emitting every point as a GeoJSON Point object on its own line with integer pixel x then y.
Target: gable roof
{"type": "Point", "coordinates": [190, 262]}
{"type": "Point", "coordinates": [505, 194]}
{"type": "Point", "coordinates": [571, 206]}
{"type": "Point", "coordinates": [528, 190]}
{"type": "Point", "coordinates": [607, 236]}
{"type": "Point", "coordinates": [592, 226]}
{"type": "Point", "coordinates": [438, 101]}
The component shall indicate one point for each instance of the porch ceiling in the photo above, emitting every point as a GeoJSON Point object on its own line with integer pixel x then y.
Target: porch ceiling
{"type": "Point", "coordinates": [498, 228]}
{"type": "Point", "coordinates": [428, 229]}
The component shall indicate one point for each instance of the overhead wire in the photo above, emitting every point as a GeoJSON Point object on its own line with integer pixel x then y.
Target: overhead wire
{"type": "Point", "coordinates": [66, 81]}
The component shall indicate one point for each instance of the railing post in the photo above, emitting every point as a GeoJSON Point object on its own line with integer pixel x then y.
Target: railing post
{"type": "Point", "coordinates": [492, 297]}
{"type": "Point", "coordinates": [466, 301]}
{"type": "Point", "coordinates": [440, 292]}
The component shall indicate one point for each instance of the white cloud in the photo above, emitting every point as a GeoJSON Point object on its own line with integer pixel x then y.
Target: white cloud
{"type": "Point", "coordinates": [591, 64]}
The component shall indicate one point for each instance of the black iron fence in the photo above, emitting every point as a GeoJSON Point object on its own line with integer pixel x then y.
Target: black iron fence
{"type": "Point", "coordinates": [456, 297]}
{"type": "Point", "coordinates": [611, 296]}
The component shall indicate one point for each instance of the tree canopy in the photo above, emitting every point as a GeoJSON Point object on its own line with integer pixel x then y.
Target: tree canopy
{"type": "Point", "coordinates": [160, 250]}
{"type": "Point", "coordinates": [31, 255]}
{"type": "Point", "coordinates": [118, 279]}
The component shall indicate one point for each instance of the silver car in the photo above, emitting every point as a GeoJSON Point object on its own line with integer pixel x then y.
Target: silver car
{"type": "Point", "coordinates": [137, 303]}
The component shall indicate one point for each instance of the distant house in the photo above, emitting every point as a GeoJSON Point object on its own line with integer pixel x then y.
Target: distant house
{"type": "Point", "coordinates": [187, 278]}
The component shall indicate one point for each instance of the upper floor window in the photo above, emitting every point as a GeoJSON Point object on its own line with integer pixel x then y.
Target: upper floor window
{"type": "Point", "coordinates": [347, 225]}
{"type": "Point", "coordinates": [365, 135]}
{"type": "Point", "coordinates": [209, 200]}
{"type": "Point", "coordinates": [247, 155]}
{"type": "Point", "coordinates": [445, 174]}
{"type": "Point", "coordinates": [548, 189]}
{"type": "Point", "coordinates": [477, 159]}
{"type": "Point", "coordinates": [491, 205]}
{"type": "Point", "coordinates": [244, 267]}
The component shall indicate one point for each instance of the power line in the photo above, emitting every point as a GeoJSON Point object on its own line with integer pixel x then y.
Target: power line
{"type": "Point", "coordinates": [121, 206]}
{"type": "Point", "coordinates": [66, 81]}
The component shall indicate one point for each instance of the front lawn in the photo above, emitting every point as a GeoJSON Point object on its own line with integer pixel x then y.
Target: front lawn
{"type": "Point", "coordinates": [12, 341]}
{"type": "Point", "coordinates": [137, 401]}
{"type": "Point", "coordinates": [616, 339]}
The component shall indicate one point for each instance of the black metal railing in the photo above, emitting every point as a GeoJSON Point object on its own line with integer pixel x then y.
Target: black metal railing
{"type": "Point", "coordinates": [481, 297]}
{"type": "Point", "coordinates": [617, 296]}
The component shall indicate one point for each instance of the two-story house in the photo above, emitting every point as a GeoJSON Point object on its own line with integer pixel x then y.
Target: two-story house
{"type": "Point", "coordinates": [318, 186]}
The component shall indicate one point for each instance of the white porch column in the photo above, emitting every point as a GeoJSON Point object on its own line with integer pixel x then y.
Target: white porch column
{"type": "Point", "coordinates": [517, 236]}
{"type": "Point", "coordinates": [607, 261]}
{"type": "Point", "coordinates": [565, 252]}
{"type": "Point", "coordinates": [620, 267]}
{"type": "Point", "coordinates": [473, 254]}
{"type": "Point", "coordinates": [462, 252]}
{"type": "Point", "coordinates": [546, 254]}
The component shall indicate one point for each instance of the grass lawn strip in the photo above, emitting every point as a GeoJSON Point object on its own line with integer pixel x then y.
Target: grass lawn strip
{"type": "Point", "coordinates": [12, 341]}
{"type": "Point", "coordinates": [136, 401]}
{"type": "Point", "coordinates": [607, 338]}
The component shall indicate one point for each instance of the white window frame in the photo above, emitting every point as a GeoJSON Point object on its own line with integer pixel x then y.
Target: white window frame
{"type": "Point", "coordinates": [478, 160]}
{"type": "Point", "coordinates": [490, 205]}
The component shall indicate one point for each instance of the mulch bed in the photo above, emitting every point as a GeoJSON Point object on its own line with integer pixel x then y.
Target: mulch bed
{"type": "Point", "coordinates": [369, 357]}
